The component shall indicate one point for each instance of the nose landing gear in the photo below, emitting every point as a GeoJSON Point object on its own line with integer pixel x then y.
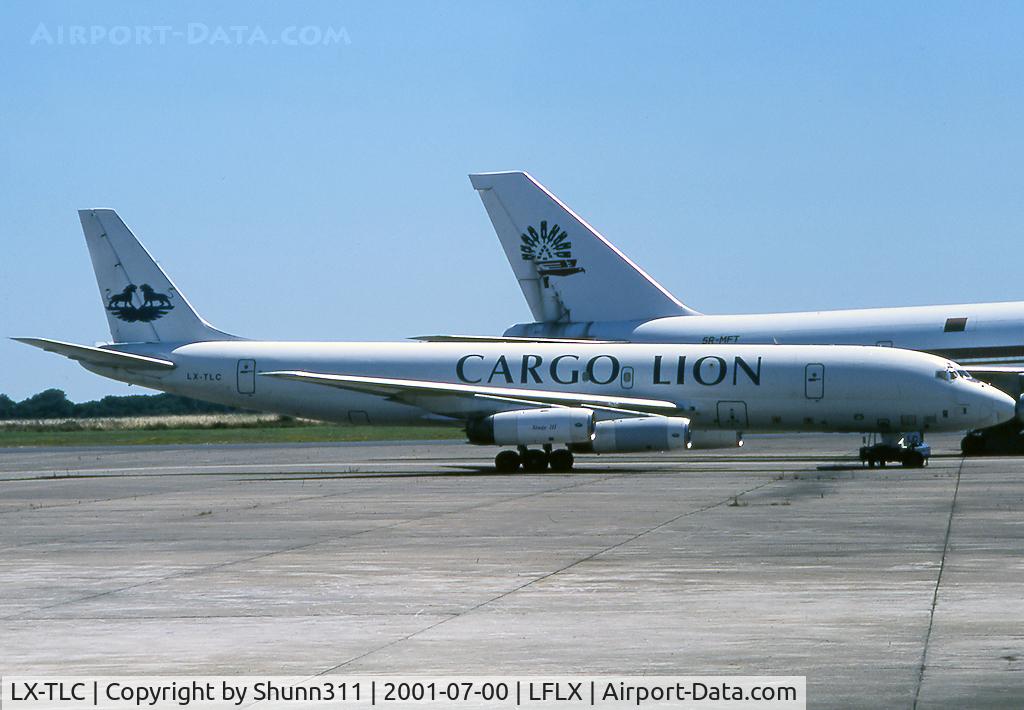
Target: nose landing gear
{"type": "Point", "coordinates": [907, 449]}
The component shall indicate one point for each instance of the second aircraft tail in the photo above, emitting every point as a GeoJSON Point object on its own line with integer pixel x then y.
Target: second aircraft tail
{"type": "Point", "coordinates": [568, 272]}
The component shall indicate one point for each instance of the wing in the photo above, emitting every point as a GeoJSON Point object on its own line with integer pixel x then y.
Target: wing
{"type": "Point", "coordinates": [1008, 378]}
{"type": "Point", "coordinates": [469, 400]}
{"type": "Point", "coordinates": [978, 370]}
{"type": "Point", "coordinates": [98, 356]}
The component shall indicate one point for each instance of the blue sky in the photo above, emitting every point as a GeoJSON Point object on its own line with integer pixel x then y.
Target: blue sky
{"type": "Point", "coordinates": [751, 156]}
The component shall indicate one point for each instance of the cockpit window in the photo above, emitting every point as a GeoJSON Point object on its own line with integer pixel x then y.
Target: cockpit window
{"type": "Point", "coordinates": [951, 374]}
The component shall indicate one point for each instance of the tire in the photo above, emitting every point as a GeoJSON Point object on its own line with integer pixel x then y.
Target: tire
{"type": "Point", "coordinates": [506, 462]}
{"type": "Point", "coordinates": [535, 461]}
{"type": "Point", "coordinates": [913, 459]}
{"type": "Point", "coordinates": [972, 445]}
{"type": "Point", "coordinates": [561, 460]}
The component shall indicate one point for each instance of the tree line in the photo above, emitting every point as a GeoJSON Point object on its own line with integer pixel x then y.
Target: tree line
{"type": "Point", "coordinates": [54, 404]}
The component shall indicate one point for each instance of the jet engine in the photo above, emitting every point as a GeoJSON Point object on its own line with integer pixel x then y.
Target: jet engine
{"type": "Point", "coordinates": [637, 434]}
{"type": "Point", "coordinates": [713, 439]}
{"type": "Point", "coordinates": [555, 425]}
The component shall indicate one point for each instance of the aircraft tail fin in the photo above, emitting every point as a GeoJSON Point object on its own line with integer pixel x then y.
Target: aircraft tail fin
{"type": "Point", "coordinates": [141, 301]}
{"type": "Point", "coordinates": [568, 272]}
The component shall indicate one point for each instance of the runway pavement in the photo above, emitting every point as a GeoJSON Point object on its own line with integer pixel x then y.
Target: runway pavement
{"type": "Point", "coordinates": [885, 588]}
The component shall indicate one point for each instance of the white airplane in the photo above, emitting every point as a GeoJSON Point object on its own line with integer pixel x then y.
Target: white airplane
{"type": "Point", "coordinates": [580, 286]}
{"type": "Point", "coordinates": [587, 397]}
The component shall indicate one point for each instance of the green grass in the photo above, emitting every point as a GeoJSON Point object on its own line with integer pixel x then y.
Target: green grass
{"type": "Point", "coordinates": [227, 435]}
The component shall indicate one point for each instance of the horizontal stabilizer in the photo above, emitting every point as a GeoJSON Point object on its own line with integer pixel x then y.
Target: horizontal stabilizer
{"type": "Point", "coordinates": [98, 356]}
{"type": "Point", "coordinates": [405, 389]}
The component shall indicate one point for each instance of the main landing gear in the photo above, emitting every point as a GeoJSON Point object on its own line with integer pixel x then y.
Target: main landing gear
{"type": "Point", "coordinates": [534, 460]}
{"type": "Point", "coordinates": [907, 449]}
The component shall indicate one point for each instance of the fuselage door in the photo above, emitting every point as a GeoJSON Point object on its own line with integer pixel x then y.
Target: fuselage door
{"type": "Point", "coordinates": [246, 376]}
{"type": "Point", "coordinates": [732, 415]}
{"type": "Point", "coordinates": [814, 381]}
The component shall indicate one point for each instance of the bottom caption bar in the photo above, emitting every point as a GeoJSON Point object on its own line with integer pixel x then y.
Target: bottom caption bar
{"type": "Point", "coordinates": [396, 691]}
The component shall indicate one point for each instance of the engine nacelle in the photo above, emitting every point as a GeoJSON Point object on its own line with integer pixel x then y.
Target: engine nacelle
{"type": "Point", "coordinates": [637, 434]}
{"type": "Point", "coordinates": [703, 439]}
{"type": "Point", "coordinates": [555, 425]}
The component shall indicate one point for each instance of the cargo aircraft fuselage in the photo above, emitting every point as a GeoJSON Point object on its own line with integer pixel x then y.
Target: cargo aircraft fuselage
{"type": "Point", "coordinates": [588, 397]}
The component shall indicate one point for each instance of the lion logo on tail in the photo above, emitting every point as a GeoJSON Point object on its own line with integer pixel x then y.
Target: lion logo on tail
{"type": "Point", "coordinates": [154, 305]}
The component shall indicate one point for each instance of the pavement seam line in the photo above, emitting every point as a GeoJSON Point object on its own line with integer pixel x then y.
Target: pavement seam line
{"type": "Point", "coordinates": [545, 576]}
{"type": "Point", "coordinates": [295, 548]}
{"type": "Point", "coordinates": [221, 483]}
{"type": "Point", "coordinates": [938, 582]}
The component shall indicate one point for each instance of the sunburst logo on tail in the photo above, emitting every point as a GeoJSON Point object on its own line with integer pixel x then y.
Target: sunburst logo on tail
{"type": "Point", "coordinates": [550, 250]}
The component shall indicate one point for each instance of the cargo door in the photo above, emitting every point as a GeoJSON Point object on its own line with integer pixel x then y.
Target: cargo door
{"type": "Point", "coordinates": [246, 376]}
{"type": "Point", "coordinates": [732, 415]}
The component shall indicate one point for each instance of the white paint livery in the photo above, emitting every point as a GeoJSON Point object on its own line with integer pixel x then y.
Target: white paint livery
{"type": "Point", "coordinates": [591, 396]}
{"type": "Point", "coordinates": [794, 388]}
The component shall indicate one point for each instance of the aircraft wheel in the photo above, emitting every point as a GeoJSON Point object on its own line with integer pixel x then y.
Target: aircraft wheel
{"type": "Point", "coordinates": [913, 459]}
{"type": "Point", "coordinates": [507, 462]}
{"type": "Point", "coordinates": [561, 460]}
{"type": "Point", "coordinates": [535, 461]}
{"type": "Point", "coordinates": [972, 444]}
{"type": "Point", "coordinates": [871, 463]}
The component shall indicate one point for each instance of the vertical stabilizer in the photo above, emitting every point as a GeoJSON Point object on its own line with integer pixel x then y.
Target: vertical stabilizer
{"type": "Point", "coordinates": [141, 301]}
{"type": "Point", "coordinates": [567, 271]}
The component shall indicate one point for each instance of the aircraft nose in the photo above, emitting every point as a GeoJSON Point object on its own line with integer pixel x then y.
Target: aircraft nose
{"type": "Point", "coordinates": [1000, 406]}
